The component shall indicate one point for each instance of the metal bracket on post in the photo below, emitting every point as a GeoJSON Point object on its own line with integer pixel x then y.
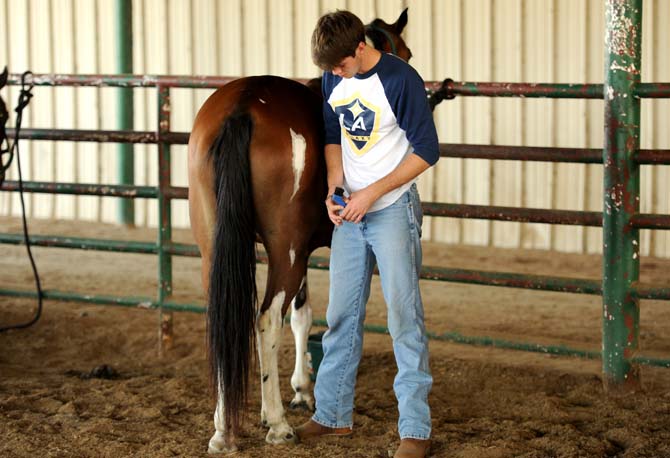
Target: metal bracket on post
{"type": "Point", "coordinates": [165, 336]}
{"type": "Point", "coordinates": [621, 240]}
{"type": "Point", "coordinates": [443, 93]}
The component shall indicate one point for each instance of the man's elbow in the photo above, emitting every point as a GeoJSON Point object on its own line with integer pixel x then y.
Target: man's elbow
{"type": "Point", "coordinates": [429, 159]}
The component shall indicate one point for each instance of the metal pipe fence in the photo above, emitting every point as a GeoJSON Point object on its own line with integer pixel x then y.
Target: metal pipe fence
{"type": "Point", "coordinates": [620, 219]}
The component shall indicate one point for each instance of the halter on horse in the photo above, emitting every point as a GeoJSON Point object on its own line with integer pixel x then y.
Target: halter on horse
{"type": "Point", "coordinates": [257, 172]}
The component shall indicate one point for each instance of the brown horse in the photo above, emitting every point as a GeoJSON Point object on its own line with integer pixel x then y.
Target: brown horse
{"type": "Point", "coordinates": [257, 172]}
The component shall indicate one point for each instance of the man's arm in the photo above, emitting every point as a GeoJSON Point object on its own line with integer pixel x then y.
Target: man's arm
{"type": "Point", "coordinates": [360, 202]}
{"type": "Point", "coordinates": [335, 178]}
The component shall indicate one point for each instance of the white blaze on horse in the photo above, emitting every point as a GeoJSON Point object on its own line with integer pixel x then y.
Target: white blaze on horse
{"type": "Point", "coordinates": [257, 172]}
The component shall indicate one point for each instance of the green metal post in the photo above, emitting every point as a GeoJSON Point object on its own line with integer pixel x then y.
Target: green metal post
{"type": "Point", "coordinates": [621, 261]}
{"type": "Point", "coordinates": [124, 65]}
{"type": "Point", "coordinates": [164, 220]}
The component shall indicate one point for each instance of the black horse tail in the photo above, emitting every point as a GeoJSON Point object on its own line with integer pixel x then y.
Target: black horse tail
{"type": "Point", "coordinates": [231, 313]}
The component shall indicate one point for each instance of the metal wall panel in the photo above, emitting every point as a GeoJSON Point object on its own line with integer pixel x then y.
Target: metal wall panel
{"type": "Point", "coordinates": [474, 40]}
{"type": "Point", "coordinates": [18, 30]}
{"type": "Point", "coordinates": [506, 182]}
{"type": "Point", "coordinates": [647, 182]}
{"type": "Point", "coordinates": [477, 113]}
{"type": "Point", "coordinates": [570, 65]}
{"type": "Point", "coordinates": [103, 28]}
{"type": "Point", "coordinates": [660, 137]}
{"type": "Point", "coordinates": [594, 119]}
{"type": "Point", "coordinates": [447, 55]}
{"type": "Point", "coordinates": [64, 108]}
{"type": "Point", "coordinates": [41, 165]}
{"type": "Point", "coordinates": [305, 15]}
{"type": "Point", "coordinates": [539, 115]}
{"type": "Point", "coordinates": [189, 51]}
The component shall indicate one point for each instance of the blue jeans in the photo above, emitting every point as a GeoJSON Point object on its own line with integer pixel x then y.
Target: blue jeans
{"type": "Point", "coordinates": [391, 238]}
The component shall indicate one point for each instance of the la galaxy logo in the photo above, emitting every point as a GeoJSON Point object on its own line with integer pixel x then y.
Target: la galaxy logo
{"type": "Point", "coordinates": [359, 120]}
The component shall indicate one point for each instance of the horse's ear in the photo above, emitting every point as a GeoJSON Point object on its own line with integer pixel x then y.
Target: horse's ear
{"type": "Point", "coordinates": [3, 78]}
{"type": "Point", "coordinates": [401, 22]}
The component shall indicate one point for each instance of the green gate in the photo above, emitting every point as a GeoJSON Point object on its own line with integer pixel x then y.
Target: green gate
{"type": "Point", "coordinates": [620, 219]}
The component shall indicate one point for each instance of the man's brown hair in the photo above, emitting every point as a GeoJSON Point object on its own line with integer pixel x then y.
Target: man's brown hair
{"type": "Point", "coordinates": [336, 37]}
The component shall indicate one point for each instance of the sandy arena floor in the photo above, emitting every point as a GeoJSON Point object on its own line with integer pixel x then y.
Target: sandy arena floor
{"type": "Point", "coordinates": [486, 402]}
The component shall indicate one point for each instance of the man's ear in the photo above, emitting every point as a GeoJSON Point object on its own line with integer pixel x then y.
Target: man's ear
{"type": "Point", "coordinates": [361, 46]}
{"type": "Point", "coordinates": [400, 24]}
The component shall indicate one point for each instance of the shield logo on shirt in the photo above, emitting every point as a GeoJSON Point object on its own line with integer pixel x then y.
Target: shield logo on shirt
{"type": "Point", "coordinates": [359, 121]}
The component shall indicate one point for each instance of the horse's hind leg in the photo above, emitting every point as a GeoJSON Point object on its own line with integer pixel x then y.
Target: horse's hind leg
{"type": "Point", "coordinates": [284, 282]}
{"type": "Point", "coordinates": [301, 323]}
{"type": "Point", "coordinates": [222, 441]}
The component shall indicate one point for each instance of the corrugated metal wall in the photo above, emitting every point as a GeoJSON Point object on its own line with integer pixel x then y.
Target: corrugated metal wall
{"type": "Point", "coordinates": [473, 40]}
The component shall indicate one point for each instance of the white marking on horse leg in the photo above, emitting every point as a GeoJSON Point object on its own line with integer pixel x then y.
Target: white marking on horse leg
{"type": "Point", "coordinates": [301, 323]}
{"type": "Point", "coordinates": [291, 255]}
{"type": "Point", "coordinates": [269, 335]}
{"type": "Point", "coordinates": [221, 441]}
{"type": "Point", "coordinates": [299, 145]}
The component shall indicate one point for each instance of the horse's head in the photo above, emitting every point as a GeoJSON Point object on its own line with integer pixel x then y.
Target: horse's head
{"type": "Point", "coordinates": [4, 116]}
{"type": "Point", "coordinates": [386, 37]}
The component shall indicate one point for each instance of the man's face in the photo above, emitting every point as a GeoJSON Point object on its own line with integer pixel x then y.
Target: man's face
{"type": "Point", "coordinates": [350, 65]}
{"type": "Point", "coordinates": [347, 68]}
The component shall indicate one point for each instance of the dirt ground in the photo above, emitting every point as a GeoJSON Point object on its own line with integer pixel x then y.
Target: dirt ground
{"type": "Point", "coordinates": [486, 402]}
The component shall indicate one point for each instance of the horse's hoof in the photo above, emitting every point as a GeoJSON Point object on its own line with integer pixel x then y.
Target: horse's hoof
{"type": "Point", "coordinates": [282, 434]}
{"type": "Point", "coordinates": [224, 452]}
{"type": "Point", "coordinates": [219, 446]}
{"type": "Point", "coordinates": [302, 405]}
{"type": "Point", "coordinates": [302, 401]}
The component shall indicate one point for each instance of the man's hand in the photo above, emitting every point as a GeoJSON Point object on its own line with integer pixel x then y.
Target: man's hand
{"type": "Point", "coordinates": [358, 204]}
{"type": "Point", "coordinates": [334, 209]}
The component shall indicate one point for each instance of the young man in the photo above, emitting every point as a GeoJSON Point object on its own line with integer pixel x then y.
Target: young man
{"type": "Point", "coordinates": [380, 136]}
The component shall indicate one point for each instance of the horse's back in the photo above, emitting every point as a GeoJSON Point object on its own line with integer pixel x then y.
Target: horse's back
{"type": "Point", "coordinates": [269, 99]}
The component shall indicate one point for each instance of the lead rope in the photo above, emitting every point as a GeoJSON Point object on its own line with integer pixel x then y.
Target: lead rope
{"type": "Point", "coordinates": [24, 99]}
{"type": "Point", "coordinates": [388, 37]}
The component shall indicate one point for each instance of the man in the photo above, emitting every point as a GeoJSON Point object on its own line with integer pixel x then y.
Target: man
{"type": "Point", "coordinates": [380, 136]}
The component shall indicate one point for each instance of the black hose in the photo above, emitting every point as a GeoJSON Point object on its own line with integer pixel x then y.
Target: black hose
{"type": "Point", "coordinates": [24, 100]}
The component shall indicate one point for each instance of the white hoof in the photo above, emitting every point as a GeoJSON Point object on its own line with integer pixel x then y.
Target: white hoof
{"type": "Point", "coordinates": [219, 445]}
{"type": "Point", "coordinates": [303, 401]}
{"type": "Point", "coordinates": [281, 434]}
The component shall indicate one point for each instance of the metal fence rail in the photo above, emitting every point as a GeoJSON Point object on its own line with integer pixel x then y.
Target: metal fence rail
{"type": "Point", "coordinates": [620, 219]}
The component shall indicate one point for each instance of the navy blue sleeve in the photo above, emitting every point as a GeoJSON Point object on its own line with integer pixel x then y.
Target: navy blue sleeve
{"type": "Point", "coordinates": [331, 123]}
{"type": "Point", "coordinates": [406, 93]}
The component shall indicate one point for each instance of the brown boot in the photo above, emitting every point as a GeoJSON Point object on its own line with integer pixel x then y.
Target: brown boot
{"type": "Point", "coordinates": [313, 430]}
{"type": "Point", "coordinates": [413, 448]}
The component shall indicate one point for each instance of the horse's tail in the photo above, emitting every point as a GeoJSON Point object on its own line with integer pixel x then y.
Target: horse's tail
{"type": "Point", "coordinates": [232, 284]}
